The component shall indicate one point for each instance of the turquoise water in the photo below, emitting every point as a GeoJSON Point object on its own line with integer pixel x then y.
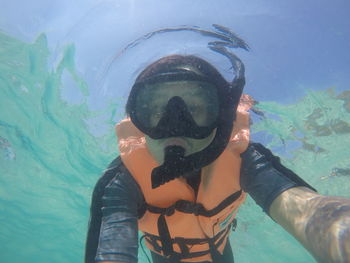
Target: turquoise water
{"type": "Point", "coordinates": [51, 156]}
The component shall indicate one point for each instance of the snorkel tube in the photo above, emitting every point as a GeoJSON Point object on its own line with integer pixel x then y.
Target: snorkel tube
{"type": "Point", "coordinates": [176, 164]}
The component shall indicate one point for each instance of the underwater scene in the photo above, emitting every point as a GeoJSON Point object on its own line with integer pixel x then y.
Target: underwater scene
{"type": "Point", "coordinates": [65, 73]}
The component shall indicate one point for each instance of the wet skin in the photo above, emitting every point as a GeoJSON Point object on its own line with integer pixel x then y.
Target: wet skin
{"type": "Point", "coordinates": [320, 223]}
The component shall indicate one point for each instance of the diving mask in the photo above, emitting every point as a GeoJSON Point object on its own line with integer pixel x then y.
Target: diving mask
{"type": "Point", "coordinates": [175, 109]}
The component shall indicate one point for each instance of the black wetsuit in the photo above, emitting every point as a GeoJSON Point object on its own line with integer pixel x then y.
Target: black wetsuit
{"type": "Point", "coordinates": [118, 202]}
{"type": "Point", "coordinates": [116, 205]}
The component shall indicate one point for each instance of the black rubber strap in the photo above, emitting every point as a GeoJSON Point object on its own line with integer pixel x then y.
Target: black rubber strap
{"type": "Point", "coordinates": [190, 208]}
{"type": "Point", "coordinates": [167, 243]}
{"type": "Point", "coordinates": [165, 237]}
{"type": "Point", "coordinates": [194, 208]}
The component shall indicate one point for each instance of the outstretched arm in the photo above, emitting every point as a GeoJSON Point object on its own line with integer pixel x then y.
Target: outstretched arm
{"type": "Point", "coordinates": [320, 223]}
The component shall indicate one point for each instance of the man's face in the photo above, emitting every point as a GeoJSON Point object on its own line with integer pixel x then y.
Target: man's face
{"type": "Point", "coordinates": [197, 99]}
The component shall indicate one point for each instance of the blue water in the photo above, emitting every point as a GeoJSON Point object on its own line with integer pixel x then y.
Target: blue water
{"type": "Point", "coordinates": [57, 123]}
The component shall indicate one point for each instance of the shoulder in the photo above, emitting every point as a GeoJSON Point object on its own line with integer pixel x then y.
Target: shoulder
{"type": "Point", "coordinates": [117, 179]}
{"type": "Point", "coordinates": [108, 175]}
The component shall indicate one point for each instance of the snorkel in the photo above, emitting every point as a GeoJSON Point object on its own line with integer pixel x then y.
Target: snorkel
{"type": "Point", "coordinates": [191, 68]}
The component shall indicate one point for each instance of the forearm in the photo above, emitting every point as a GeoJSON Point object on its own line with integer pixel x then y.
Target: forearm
{"type": "Point", "coordinates": [320, 223]}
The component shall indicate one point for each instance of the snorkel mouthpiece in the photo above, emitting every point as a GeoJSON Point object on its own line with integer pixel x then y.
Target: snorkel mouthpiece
{"type": "Point", "coordinates": [173, 162]}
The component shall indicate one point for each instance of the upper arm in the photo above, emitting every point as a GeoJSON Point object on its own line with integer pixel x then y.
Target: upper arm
{"type": "Point", "coordinates": [96, 210]}
{"type": "Point", "coordinates": [112, 234]}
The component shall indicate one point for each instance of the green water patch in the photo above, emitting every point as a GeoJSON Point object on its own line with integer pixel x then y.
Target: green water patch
{"type": "Point", "coordinates": [49, 160]}
{"type": "Point", "coordinates": [52, 152]}
{"type": "Point", "coordinates": [315, 132]}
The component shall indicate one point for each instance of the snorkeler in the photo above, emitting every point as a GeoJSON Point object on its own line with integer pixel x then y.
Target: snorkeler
{"type": "Point", "coordinates": [185, 167]}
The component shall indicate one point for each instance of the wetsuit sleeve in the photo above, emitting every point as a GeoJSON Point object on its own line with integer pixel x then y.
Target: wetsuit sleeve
{"type": "Point", "coordinates": [263, 176]}
{"type": "Point", "coordinates": [116, 205]}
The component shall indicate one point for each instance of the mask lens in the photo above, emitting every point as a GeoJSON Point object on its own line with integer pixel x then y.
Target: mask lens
{"type": "Point", "coordinates": [200, 101]}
